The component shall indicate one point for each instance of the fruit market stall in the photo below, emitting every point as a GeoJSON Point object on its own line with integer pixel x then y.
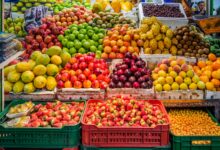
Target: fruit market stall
{"type": "Point", "coordinates": [108, 75]}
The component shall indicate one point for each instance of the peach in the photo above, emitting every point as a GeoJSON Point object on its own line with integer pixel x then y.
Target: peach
{"type": "Point", "coordinates": [184, 67]}
{"type": "Point", "coordinates": [179, 79]}
{"type": "Point", "coordinates": [173, 63]}
{"type": "Point", "coordinates": [180, 61]}
{"type": "Point", "coordinates": [177, 68]}
{"type": "Point", "coordinates": [163, 67]}
{"type": "Point", "coordinates": [166, 61]}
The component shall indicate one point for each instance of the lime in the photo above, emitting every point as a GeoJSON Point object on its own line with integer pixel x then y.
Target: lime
{"type": "Point", "coordinates": [93, 48]}
{"type": "Point", "coordinates": [64, 42]}
{"type": "Point", "coordinates": [72, 50]}
{"type": "Point", "coordinates": [85, 25]}
{"type": "Point", "coordinates": [96, 44]}
{"type": "Point", "coordinates": [100, 47]}
{"type": "Point", "coordinates": [60, 37]}
{"type": "Point", "coordinates": [73, 26]}
{"type": "Point", "coordinates": [74, 29]}
{"type": "Point", "coordinates": [82, 50]}
{"type": "Point", "coordinates": [80, 37]}
{"type": "Point", "coordinates": [100, 41]}
{"type": "Point", "coordinates": [70, 44]}
{"type": "Point", "coordinates": [78, 45]}
{"type": "Point", "coordinates": [95, 37]}
{"type": "Point", "coordinates": [89, 28]}
{"type": "Point", "coordinates": [82, 31]}
{"type": "Point", "coordinates": [86, 37]}
{"type": "Point", "coordinates": [75, 32]}
{"type": "Point", "coordinates": [80, 26]}
{"type": "Point", "coordinates": [92, 42]}
{"type": "Point", "coordinates": [102, 31]}
{"type": "Point", "coordinates": [72, 37]}
{"type": "Point", "coordinates": [67, 37]}
{"type": "Point", "coordinates": [96, 29]}
{"type": "Point", "coordinates": [86, 44]}
{"type": "Point", "coordinates": [84, 40]}
{"type": "Point", "coordinates": [66, 32]}
{"type": "Point", "coordinates": [101, 35]}
{"type": "Point", "coordinates": [90, 33]}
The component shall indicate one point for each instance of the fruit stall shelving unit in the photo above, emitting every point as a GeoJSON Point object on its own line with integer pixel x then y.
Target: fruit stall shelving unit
{"type": "Point", "coordinates": [2, 65]}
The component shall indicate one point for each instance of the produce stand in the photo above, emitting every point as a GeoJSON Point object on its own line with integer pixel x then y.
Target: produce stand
{"type": "Point", "coordinates": [133, 72]}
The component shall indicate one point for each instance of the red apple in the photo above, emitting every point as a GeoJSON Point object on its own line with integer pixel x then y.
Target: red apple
{"type": "Point", "coordinates": [77, 84]}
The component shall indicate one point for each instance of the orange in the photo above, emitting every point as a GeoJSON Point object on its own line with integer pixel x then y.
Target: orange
{"type": "Point", "coordinates": [204, 78]}
{"type": "Point", "coordinates": [216, 65]}
{"type": "Point", "coordinates": [208, 68]}
{"type": "Point", "coordinates": [218, 74]}
{"type": "Point", "coordinates": [208, 62]}
{"type": "Point", "coordinates": [216, 82]}
{"type": "Point", "coordinates": [207, 73]}
{"type": "Point", "coordinates": [214, 74]}
{"type": "Point", "coordinates": [201, 64]}
{"type": "Point", "coordinates": [209, 86]}
{"type": "Point", "coordinates": [212, 57]}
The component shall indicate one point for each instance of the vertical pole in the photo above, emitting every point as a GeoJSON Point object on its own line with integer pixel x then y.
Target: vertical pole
{"type": "Point", "coordinates": [1, 69]}
{"type": "Point", "coordinates": [211, 7]}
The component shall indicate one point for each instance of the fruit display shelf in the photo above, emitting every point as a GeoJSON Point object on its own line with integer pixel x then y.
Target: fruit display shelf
{"type": "Point", "coordinates": [39, 137]}
{"type": "Point", "coordinates": [122, 136]}
{"type": "Point", "coordinates": [35, 96]}
{"type": "Point", "coordinates": [83, 93]}
{"type": "Point", "coordinates": [172, 22]}
{"type": "Point", "coordinates": [212, 94]}
{"type": "Point", "coordinates": [180, 94]}
{"type": "Point", "coordinates": [137, 93]}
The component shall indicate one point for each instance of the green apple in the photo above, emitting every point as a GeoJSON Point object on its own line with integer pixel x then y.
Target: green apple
{"type": "Point", "coordinates": [11, 30]}
{"type": "Point", "coordinates": [36, 4]}
{"type": "Point", "coordinates": [14, 8]}
{"type": "Point", "coordinates": [20, 33]}
{"type": "Point", "coordinates": [28, 5]}
{"type": "Point", "coordinates": [48, 5]}
{"type": "Point", "coordinates": [9, 20]}
{"type": "Point", "coordinates": [23, 9]}
{"type": "Point", "coordinates": [19, 4]}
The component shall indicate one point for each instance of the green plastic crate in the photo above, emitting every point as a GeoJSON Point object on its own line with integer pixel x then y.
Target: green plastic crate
{"type": "Point", "coordinates": [98, 148]}
{"type": "Point", "coordinates": [67, 136]}
{"type": "Point", "coordinates": [186, 142]}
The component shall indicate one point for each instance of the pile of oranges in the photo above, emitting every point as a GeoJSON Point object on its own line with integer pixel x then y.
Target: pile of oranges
{"type": "Point", "coordinates": [190, 122]}
{"type": "Point", "coordinates": [119, 40]}
{"type": "Point", "coordinates": [209, 72]}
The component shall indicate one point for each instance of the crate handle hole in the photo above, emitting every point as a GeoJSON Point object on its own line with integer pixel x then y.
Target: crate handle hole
{"type": "Point", "coordinates": [201, 142]}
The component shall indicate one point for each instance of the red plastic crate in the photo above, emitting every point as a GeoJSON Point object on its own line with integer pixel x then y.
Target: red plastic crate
{"type": "Point", "coordinates": [125, 136]}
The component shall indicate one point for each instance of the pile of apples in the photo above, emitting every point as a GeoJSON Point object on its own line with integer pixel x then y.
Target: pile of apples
{"type": "Point", "coordinates": [84, 71]}
{"type": "Point", "coordinates": [43, 37]}
{"type": "Point", "coordinates": [124, 111]}
{"type": "Point", "coordinates": [73, 15]}
{"type": "Point", "coordinates": [119, 40]}
{"type": "Point", "coordinates": [56, 114]}
{"type": "Point", "coordinates": [131, 73]}
{"type": "Point", "coordinates": [175, 74]}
